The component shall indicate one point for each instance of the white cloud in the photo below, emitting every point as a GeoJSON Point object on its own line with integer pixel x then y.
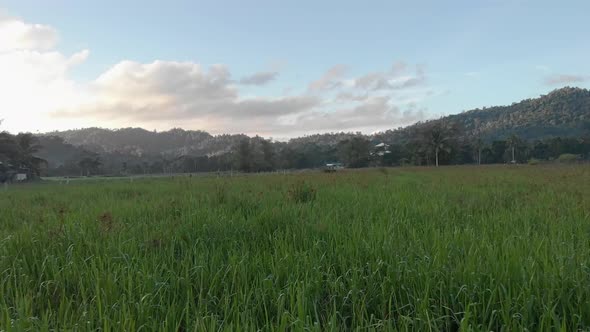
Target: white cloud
{"type": "Point", "coordinates": [186, 94]}
{"type": "Point", "coordinates": [39, 93]}
{"type": "Point", "coordinates": [78, 58]}
{"type": "Point", "coordinates": [18, 35]}
{"type": "Point", "coordinates": [164, 92]}
{"type": "Point", "coordinates": [34, 76]}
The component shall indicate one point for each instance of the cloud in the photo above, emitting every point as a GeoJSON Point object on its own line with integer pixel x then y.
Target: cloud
{"type": "Point", "coordinates": [187, 94]}
{"type": "Point", "coordinates": [168, 94]}
{"type": "Point", "coordinates": [346, 96]}
{"type": "Point", "coordinates": [261, 78]}
{"type": "Point", "coordinates": [164, 78]}
{"type": "Point", "coordinates": [39, 93]}
{"type": "Point", "coordinates": [394, 79]}
{"type": "Point", "coordinates": [34, 76]}
{"type": "Point", "coordinates": [18, 35]}
{"type": "Point", "coordinates": [375, 113]}
{"type": "Point", "coordinates": [172, 92]}
{"type": "Point", "coordinates": [330, 80]}
{"type": "Point", "coordinates": [78, 58]}
{"type": "Point", "coordinates": [559, 79]}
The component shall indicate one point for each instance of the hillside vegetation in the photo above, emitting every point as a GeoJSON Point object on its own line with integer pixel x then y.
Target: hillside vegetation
{"type": "Point", "coordinates": [540, 129]}
{"type": "Point", "coordinates": [561, 113]}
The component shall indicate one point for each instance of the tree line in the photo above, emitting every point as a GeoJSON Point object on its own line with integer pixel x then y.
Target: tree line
{"type": "Point", "coordinates": [434, 143]}
{"type": "Point", "coordinates": [17, 156]}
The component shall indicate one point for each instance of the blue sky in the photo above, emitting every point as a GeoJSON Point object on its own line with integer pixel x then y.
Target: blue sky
{"type": "Point", "coordinates": [456, 55]}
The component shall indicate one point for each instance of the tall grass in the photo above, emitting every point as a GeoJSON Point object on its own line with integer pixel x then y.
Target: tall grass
{"type": "Point", "coordinates": [458, 248]}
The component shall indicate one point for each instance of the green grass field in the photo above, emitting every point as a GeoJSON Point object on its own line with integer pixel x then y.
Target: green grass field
{"type": "Point", "coordinates": [456, 248]}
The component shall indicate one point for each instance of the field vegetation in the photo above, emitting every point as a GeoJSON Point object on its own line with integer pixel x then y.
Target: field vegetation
{"type": "Point", "coordinates": [450, 248]}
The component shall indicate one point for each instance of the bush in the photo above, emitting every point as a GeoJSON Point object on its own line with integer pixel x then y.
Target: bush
{"type": "Point", "coordinates": [568, 158]}
{"type": "Point", "coordinates": [301, 192]}
{"type": "Point", "coordinates": [534, 161]}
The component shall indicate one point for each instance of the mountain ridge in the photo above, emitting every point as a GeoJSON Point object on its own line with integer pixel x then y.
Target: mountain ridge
{"type": "Point", "coordinates": [562, 112]}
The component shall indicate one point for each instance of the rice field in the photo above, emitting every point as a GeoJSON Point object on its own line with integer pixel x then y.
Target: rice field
{"type": "Point", "coordinates": [495, 248]}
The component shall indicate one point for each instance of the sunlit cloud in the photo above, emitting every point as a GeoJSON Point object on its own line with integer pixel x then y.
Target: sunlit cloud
{"type": "Point", "coordinates": [42, 95]}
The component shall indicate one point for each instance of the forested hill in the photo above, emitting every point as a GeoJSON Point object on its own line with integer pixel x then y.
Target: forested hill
{"type": "Point", "coordinates": [561, 113]}
{"type": "Point", "coordinates": [540, 128]}
{"type": "Point", "coordinates": [564, 112]}
{"type": "Point", "coordinates": [138, 142]}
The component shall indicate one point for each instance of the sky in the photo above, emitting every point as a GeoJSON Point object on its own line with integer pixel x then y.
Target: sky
{"type": "Point", "coordinates": [279, 68]}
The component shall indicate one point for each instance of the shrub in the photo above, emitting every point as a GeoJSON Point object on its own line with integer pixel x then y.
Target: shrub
{"type": "Point", "coordinates": [534, 161]}
{"type": "Point", "coordinates": [568, 158]}
{"type": "Point", "coordinates": [301, 192]}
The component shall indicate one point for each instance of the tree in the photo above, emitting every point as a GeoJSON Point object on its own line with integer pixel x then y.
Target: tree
{"type": "Point", "coordinates": [19, 151]}
{"type": "Point", "coordinates": [261, 155]}
{"type": "Point", "coordinates": [268, 154]}
{"type": "Point", "coordinates": [8, 147]}
{"type": "Point", "coordinates": [354, 152]}
{"type": "Point", "coordinates": [478, 145]}
{"type": "Point", "coordinates": [514, 143]}
{"type": "Point", "coordinates": [90, 164]}
{"type": "Point", "coordinates": [290, 158]}
{"type": "Point", "coordinates": [4, 172]}
{"type": "Point", "coordinates": [242, 154]}
{"type": "Point", "coordinates": [439, 136]}
{"type": "Point", "coordinates": [497, 151]}
{"type": "Point", "coordinates": [29, 145]}
{"type": "Point", "coordinates": [540, 150]}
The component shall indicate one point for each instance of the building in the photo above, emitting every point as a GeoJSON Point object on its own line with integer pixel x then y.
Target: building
{"type": "Point", "coordinates": [9, 173]}
{"type": "Point", "coordinates": [333, 167]}
{"type": "Point", "coordinates": [380, 150]}
{"type": "Point", "coordinates": [20, 177]}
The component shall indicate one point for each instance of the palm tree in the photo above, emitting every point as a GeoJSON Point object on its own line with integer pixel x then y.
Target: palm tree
{"type": "Point", "coordinates": [28, 145]}
{"type": "Point", "coordinates": [91, 162]}
{"type": "Point", "coordinates": [439, 137]}
{"type": "Point", "coordinates": [17, 152]}
{"type": "Point", "coordinates": [8, 147]}
{"type": "Point", "coordinates": [479, 144]}
{"type": "Point", "coordinates": [514, 142]}
{"type": "Point", "coordinates": [7, 152]}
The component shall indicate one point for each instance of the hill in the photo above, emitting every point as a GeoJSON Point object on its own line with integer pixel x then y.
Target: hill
{"type": "Point", "coordinates": [138, 141]}
{"type": "Point", "coordinates": [564, 112]}
{"type": "Point", "coordinates": [561, 113]}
